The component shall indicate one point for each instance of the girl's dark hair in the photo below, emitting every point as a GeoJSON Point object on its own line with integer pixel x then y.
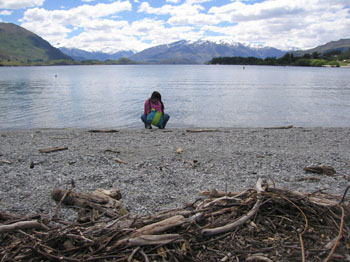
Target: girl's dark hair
{"type": "Point", "coordinates": [155, 97]}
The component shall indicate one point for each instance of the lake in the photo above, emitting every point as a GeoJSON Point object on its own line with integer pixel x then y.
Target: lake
{"type": "Point", "coordinates": [194, 96]}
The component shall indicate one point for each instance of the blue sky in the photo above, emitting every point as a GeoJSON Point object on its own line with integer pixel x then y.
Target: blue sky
{"type": "Point", "coordinates": [114, 25]}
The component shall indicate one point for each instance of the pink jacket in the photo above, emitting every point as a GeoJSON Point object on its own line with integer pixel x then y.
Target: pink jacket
{"type": "Point", "coordinates": [157, 106]}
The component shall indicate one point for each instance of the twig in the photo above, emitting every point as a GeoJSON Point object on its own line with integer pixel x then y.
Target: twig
{"type": "Point", "coordinates": [133, 253]}
{"type": "Point", "coordinates": [121, 161]}
{"type": "Point", "coordinates": [339, 234]}
{"type": "Point", "coordinates": [60, 202]}
{"type": "Point", "coordinates": [144, 255]}
{"type": "Point", "coordinates": [343, 198]}
{"type": "Point", "coordinates": [305, 228]}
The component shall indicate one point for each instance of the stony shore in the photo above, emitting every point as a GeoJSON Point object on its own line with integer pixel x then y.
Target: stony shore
{"type": "Point", "coordinates": [164, 169]}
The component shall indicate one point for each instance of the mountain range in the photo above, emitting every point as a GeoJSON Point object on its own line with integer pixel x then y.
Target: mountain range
{"type": "Point", "coordinates": [199, 52]}
{"type": "Point", "coordinates": [180, 52]}
{"type": "Point", "coordinates": [17, 43]}
{"type": "Point", "coordinates": [81, 55]}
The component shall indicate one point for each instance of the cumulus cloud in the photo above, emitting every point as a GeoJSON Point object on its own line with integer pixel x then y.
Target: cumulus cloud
{"type": "Point", "coordinates": [5, 12]}
{"type": "Point", "coordinates": [283, 24]}
{"type": "Point", "coordinates": [55, 26]}
{"type": "Point", "coordinates": [19, 4]}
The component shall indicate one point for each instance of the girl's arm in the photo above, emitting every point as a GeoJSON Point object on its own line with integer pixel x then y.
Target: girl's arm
{"type": "Point", "coordinates": [146, 108]}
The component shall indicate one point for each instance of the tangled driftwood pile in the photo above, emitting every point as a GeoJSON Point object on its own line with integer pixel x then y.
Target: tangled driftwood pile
{"type": "Point", "coordinates": [260, 224]}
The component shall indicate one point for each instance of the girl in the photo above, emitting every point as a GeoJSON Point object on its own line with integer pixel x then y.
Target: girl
{"type": "Point", "coordinates": [154, 112]}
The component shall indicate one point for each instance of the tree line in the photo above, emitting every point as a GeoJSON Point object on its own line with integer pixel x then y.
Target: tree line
{"type": "Point", "coordinates": [333, 58]}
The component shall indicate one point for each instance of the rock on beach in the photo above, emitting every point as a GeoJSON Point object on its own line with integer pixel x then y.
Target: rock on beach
{"type": "Point", "coordinates": [153, 175]}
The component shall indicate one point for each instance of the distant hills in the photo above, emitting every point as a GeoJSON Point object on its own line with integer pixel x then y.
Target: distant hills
{"type": "Point", "coordinates": [81, 55]}
{"type": "Point", "coordinates": [17, 43]}
{"type": "Point", "coordinates": [341, 45]}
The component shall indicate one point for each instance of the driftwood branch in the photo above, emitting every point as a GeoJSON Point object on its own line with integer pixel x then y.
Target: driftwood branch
{"type": "Point", "coordinates": [98, 200]}
{"type": "Point", "coordinates": [280, 127]}
{"type": "Point", "coordinates": [22, 225]}
{"type": "Point", "coordinates": [201, 130]}
{"type": "Point", "coordinates": [120, 161]}
{"type": "Point", "coordinates": [241, 220]}
{"type": "Point", "coordinates": [103, 131]}
{"type": "Point", "coordinates": [327, 170]}
{"type": "Point", "coordinates": [152, 229]}
{"type": "Point", "coordinates": [52, 149]}
{"type": "Point", "coordinates": [152, 240]}
{"type": "Point", "coordinates": [5, 161]}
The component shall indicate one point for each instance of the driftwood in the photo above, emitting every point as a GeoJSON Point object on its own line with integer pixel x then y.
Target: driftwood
{"type": "Point", "coordinates": [120, 161]}
{"type": "Point", "coordinates": [22, 225]}
{"type": "Point", "coordinates": [103, 131]}
{"type": "Point", "coordinates": [5, 161]}
{"type": "Point", "coordinates": [241, 220]}
{"type": "Point", "coordinates": [257, 224]}
{"type": "Point", "coordinates": [103, 201]}
{"type": "Point", "coordinates": [201, 130]}
{"type": "Point", "coordinates": [52, 149]}
{"type": "Point", "coordinates": [280, 127]}
{"type": "Point", "coordinates": [327, 170]}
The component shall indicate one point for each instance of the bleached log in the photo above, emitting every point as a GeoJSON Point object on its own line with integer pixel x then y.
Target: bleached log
{"type": "Point", "coordinates": [161, 226]}
{"type": "Point", "coordinates": [152, 229]}
{"type": "Point", "coordinates": [100, 202]}
{"type": "Point", "coordinates": [22, 225]}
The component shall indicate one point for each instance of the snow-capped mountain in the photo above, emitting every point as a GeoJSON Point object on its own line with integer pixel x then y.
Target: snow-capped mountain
{"type": "Point", "coordinates": [181, 52]}
{"type": "Point", "coordinates": [80, 55]}
{"type": "Point", "coordinates": [200, 52]}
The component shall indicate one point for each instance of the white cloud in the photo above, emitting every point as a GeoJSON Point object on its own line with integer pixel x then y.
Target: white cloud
{"type": "Point", "coordinates": [19, 4]}
{"type": "Point", "coordinates": [197, 1]}
{"type": "Point", "coordinates": [55, 26]}
{"type": "Point", "coordinates": [281, 24]}
{"type": "Point", "coordinates": [179, 10]}
{"type": "Point", "coordinates": [5, 12]}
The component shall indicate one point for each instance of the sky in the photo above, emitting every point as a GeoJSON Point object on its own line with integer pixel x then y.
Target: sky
{"type": "Point", "coordinates": [117, 25]}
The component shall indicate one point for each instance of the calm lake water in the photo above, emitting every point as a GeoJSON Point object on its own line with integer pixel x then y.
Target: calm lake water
{"type": "Point", "coordinates": [194, 96]}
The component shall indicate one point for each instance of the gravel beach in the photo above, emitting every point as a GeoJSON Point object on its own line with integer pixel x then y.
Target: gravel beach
{"type": "Point", "coordinates": [164, 169]}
